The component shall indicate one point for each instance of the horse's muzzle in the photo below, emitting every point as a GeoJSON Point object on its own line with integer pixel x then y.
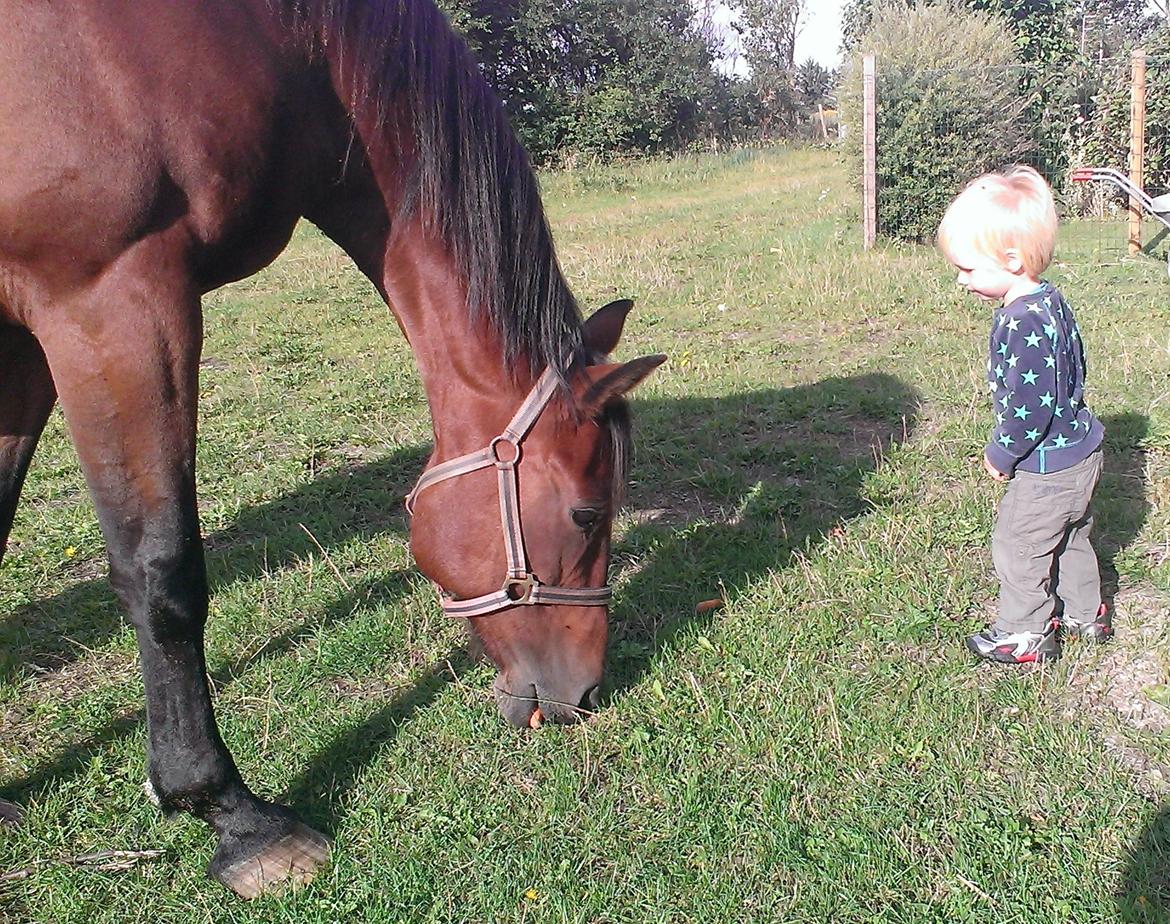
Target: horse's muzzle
{"type": "Point", "coordinates": [519, 703]}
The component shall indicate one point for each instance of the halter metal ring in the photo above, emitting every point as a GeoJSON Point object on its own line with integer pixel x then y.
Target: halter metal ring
{"type": "Point", "coordinates": [494, 451]}
{"type": "Point", "coordinates": [519, 590]}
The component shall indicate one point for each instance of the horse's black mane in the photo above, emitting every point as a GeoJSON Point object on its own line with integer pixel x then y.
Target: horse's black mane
{"type": "Point", "coordinates": [472, 179]}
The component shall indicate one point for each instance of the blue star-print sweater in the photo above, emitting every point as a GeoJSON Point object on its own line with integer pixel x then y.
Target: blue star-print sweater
{"type": "Point", "coordinates": [1036, 376]}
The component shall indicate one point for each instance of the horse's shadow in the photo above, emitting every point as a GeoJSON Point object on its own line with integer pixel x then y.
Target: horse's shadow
{"type": "Point", "coordinates": [742, 483]}
{"type": "Point", "coordinates": [351, 502]}
{"type": "Point", "coordinates": [1120, 505]}
{"type": "Point", "coordinates": [739, 484]}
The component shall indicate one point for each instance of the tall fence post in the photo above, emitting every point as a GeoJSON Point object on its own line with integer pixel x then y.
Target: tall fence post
{"type": "Point", "coordinates": [1137, 147]}
{"type": "Point", "coordinates": [869, 149]}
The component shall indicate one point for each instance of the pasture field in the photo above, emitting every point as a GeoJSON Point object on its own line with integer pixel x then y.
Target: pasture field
{"type": "Point", "coordinates": [820, 749]}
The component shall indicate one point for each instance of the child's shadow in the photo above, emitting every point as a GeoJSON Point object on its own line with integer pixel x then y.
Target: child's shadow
{"type": "Point", "coordinates": [1145, 894]}
{"type": "Point", "coordinates": [1120, 506]}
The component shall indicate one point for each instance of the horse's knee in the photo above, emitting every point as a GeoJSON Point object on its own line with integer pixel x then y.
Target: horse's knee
{"type": "Point", "coordinates": [163, 585]}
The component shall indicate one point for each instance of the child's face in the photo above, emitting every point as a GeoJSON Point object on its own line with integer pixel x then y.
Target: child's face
{"type": "Point", "coordinates": [982, 275]}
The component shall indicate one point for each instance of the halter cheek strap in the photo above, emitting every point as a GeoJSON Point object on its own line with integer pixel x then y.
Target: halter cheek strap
{"type": "Point", "coordinates": [521, 587]}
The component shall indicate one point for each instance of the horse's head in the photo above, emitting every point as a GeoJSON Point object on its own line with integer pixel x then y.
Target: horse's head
{"type": "Point", "coordinates": [518, 540]}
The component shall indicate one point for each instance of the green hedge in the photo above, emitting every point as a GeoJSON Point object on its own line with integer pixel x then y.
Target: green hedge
{"type": "Point", "coordinates": [950, 106]}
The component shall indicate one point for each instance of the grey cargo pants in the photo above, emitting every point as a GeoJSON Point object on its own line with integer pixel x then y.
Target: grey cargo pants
{"type": "Point", "coordinates": [1041, 548]}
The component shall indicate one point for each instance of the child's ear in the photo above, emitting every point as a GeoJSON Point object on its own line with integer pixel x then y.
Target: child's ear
{"type": "Point", "coordinates": [1013, 262]}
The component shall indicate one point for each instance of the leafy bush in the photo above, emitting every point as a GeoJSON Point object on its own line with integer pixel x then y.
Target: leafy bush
{"type": "Point", "coordinates": [599, 78]}
{"type": "Point", "coordinates": [950, 106]}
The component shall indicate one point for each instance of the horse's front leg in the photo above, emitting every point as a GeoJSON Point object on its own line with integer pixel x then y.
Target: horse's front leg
{"type": "Point", "coordinates": [125, 360]}
{"type": "Point", "coordinates": [26, 397]}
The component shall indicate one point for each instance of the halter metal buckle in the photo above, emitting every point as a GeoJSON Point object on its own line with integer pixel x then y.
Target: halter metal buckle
{"type": "Point", "coordinates": [519, 590]}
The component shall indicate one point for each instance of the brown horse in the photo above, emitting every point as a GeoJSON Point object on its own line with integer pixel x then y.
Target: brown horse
{"type": "Point", "coordinates": [155, 150]}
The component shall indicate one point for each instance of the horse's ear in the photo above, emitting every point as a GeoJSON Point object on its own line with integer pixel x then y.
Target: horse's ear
{"type": "Point", "coordinates": [604, 328]}
{"type": "Point", "coordinates": [602, 384]}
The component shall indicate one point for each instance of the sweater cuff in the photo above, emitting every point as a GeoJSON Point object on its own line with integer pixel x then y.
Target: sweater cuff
{"type": "Point", "coordinates": [1003, 460]}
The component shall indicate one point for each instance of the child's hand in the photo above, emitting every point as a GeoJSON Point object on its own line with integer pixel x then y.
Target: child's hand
{"type": "Point", "coordinates": [993, 471]}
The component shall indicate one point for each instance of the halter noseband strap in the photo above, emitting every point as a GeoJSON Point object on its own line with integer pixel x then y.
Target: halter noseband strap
{"type": "Point", "coordinates": [520, 587]}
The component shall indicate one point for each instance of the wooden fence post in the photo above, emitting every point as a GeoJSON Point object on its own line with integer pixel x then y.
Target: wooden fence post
{"type": "Point", "coordinates": [1137, 147]}
{"type": "Point", "coordinates": [869, 148]}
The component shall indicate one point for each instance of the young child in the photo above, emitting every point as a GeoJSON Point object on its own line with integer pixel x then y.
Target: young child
{"type": "Point", "coordinates": [999, 234]}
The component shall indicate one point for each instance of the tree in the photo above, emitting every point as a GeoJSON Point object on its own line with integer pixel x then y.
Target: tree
{"type": "Point", "coordinates": [1105, 28]}
{"type": "Point", "coordinates": [947, 114]}
{"type": "Point", "coordinates": [814, 83]}
{"type": "Point", "coordinates": [1041, 27]}
{"type": "Point", "coordinates": [768, 30]}
{"type": "Point", "coordinates": [594, 76]}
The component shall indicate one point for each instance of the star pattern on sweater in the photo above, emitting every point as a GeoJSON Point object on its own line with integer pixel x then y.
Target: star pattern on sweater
{"type": "Point", "coordinates": [1037, 405]}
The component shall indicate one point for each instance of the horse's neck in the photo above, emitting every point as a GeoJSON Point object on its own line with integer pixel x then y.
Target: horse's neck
{"type": "Point", "coordinates": [470, 393]}
{"type": "Point", "coordinates": [458, 353]}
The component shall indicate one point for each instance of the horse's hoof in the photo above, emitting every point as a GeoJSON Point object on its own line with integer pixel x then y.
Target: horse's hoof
{"type": "Point", "coordinates": [291, 860]}
{"type": "Point", "coordinates": [10, 813]}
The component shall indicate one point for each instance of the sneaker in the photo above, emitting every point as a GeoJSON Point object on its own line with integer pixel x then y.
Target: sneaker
{"type": "Point", "coordinates": [1099, 630]}
{"type": "Point", "coordinates": [1016, 647]}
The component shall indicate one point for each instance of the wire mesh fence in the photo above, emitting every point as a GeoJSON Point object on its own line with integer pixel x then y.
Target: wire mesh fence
{"type": "Point", "coordinates": [1097, 216]}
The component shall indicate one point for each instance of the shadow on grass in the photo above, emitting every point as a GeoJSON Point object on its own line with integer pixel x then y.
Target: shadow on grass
{"type": "Point", "coordinates": [75, 758]}
{"type": "Point", "coordinates": [352, 503]}
{"type": "Point", "coordinates": [740, 484]}
{"type": "Point", "coordinates": [319, 794]}
{"type": "Point", "coordinates": [1120, 506]}
{"type": "Point", "coordinates": [361, 502]}
{"type": "Point", "coordinates": [1145, 894]}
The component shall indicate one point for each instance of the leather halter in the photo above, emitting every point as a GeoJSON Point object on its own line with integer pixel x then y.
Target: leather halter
{"type": "Point", "coordinates": [521, 587]}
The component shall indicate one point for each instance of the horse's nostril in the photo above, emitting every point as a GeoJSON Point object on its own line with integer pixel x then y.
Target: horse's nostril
{"type": "Point", "coordinates": [592, 699]}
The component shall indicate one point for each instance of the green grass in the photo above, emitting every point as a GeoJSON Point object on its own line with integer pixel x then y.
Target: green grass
{"type": "Point", "coordinates": [821, 749]}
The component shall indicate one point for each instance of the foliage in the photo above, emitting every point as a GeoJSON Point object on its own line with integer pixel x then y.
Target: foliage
{"type": "Point", "coordinates": [1107, 140]}
{"type": "Point", "coordinates": [1067, 49]}
{"type": "Point", "coordinates": [1050, 34]}
{"type": "Point", "coordinates": [814, 83]}
{"type": "Point", "coordinates": [948, 76]}
{"type": "Point", "coordinates": [767, 30]}
{"type": "Point", "coordinates": [595, 77]}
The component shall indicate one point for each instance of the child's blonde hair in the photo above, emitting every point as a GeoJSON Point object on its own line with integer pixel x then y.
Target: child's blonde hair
{"type": "Point", "coordinates": [998, 212]}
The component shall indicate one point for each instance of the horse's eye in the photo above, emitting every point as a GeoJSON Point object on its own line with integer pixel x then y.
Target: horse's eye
{"type": "Point", "coordinates": [586, 517]}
